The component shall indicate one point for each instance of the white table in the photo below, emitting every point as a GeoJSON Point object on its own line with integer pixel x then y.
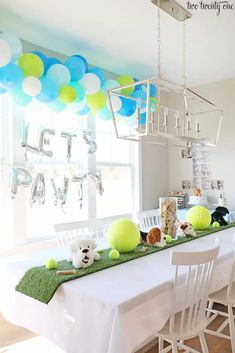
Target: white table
{"type": "Point", "coordinates": [112, 311]}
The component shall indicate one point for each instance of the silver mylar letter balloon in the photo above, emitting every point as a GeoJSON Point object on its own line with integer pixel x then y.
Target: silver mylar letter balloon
{"type": "Point", "coordinates": [80, 179]}
{"type": "Point", "coordinates": [19, 177]}
{"type": "Point", "coordinates": [45, 141]}
{"type": "Point", "coordinates": [38, 190]}
{"type": "Point", "coordinates": [69, 137]}
{"type": "Point", "coordinates": [24, 140]}
{"type": "Point", "coordinates": [60, 194]}
{"type": "Point", "coordinates": [96, 176]}
{"type": "Point", "coordinates": [88, 139]}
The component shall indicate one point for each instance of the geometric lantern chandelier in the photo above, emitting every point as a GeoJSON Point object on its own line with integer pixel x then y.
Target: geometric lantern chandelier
{"type": "Point", "coordinates": [158, 111]}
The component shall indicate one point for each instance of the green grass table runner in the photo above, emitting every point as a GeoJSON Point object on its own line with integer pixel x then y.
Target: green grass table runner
{"type": "Point", "coordinates": [41, 283]}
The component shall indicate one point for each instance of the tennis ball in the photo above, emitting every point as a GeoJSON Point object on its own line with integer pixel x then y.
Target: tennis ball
{"type": "Point", "coordinates": [50, 264]}
{"type": "Point", "coordinates": [114, 254]}
{"type": "Point", "coordinates": [199, 217]}
{"type": "Point", "coordinates": [215, 225]}
{"type": "Point", "coordinates": [123, 235]}
{"type": "Point", "coordinates": [169, 239]}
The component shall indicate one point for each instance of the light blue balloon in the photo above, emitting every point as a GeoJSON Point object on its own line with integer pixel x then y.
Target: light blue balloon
{"type": "Point", "coordinates": [83, 59]}
{"type": "Point", "coordinates": [142, 118]}
{"type": "Point", "coordinates": [100, 73]}
{"type": "Point", "coordinates": [49, 91]}
{"type": "Point", "coordinates": [76, 67]}
{"type": "Point", "coordinates": [153, 90]}
{"type": "Point", "coordinates": [43, 58]}
{"type": "Point", "coordinates": [56, 106]}
{"type": "Point", "coordinates": [50, 62]}
{"type": "Point", "coordinates": [80, 93]}
{"type": "Point", "coordinates": [84, 111]}
{"type": "Point", "coordinates": [2, 90]}
{"type": "Point", "coordinates": [109, 84]}
{"type": "Point", "coordinates": [14, 43]}
{"type": "Point", "coordinates": [19, 97]}
{"type": "Point", "coordinates": [128, 107]}
{"type": "Point", "coordinates": [10, 75]}
{"type": "Point", "coordinates": [60, 74]}
{"type": "Point", "coordinates": [142, 96]}
{"type": "Point", "coordinates": [104, 114]}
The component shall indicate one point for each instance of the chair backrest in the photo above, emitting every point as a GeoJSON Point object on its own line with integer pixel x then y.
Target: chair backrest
{"type": "Point", "coordinates": [231, 285]}
{"type": "Point", "coordinates": [96, 228]}
{"type": "Point", "coordinates": [149, 219]}
{"type": "Point", "coordinates": [191, 289]}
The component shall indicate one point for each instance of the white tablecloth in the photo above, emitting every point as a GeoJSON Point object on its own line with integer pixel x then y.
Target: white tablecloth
{"type": "Point", "coordinates": [112, 311]}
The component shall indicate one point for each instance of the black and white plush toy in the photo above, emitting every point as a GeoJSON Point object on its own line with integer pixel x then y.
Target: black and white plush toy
{"type": "Point", "coordinates": [219, 214]}
{"type": "Point", "coordinates": [82, 252]}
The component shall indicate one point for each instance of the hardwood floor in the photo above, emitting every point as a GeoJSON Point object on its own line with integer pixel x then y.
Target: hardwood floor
{"type": "Point", "coordinates": [10, 334]}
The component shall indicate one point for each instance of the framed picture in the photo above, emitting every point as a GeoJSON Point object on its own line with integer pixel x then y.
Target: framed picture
{"type": "Point", "coordinates": [220, 184]}
{"type": "Point", "coordinates": [187, 184]}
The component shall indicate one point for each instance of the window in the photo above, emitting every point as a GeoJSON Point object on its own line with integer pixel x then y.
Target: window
{"type": "Point", "coordinates": [117, 160]}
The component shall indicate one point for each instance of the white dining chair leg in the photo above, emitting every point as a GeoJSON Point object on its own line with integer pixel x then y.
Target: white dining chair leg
{"type": "Point", "coordinates": [210, 306]}
{"type": "Point", "coordinates": [231, 327]}
{"type": "Point", "coordinates": [160, 344]}
{"type": "Point", "coordinates": [203, 343]}
{"type": "Point", "coordinates": [174, 347]}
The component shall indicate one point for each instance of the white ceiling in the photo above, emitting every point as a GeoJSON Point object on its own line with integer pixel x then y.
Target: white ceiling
{"type": "Point", "coordinates": [121, 36]}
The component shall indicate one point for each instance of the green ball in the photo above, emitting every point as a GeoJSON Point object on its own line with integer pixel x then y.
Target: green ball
{"type": "Point", "coordinates": [123, 235]}
{"type": "Point", "coordinates": [51, 264]}
{"type": "Point", "coordinates": [169, 239]}
{"type": "Point", "coordinates": [215, 225]}
{"type": "Point", "coordinates": [199, 217]}
{"type": "Point", "coordinates": [114, 254]}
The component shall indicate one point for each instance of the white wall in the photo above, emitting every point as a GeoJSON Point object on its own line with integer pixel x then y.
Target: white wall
{"type": "Point", "coordinates": [223, 156]}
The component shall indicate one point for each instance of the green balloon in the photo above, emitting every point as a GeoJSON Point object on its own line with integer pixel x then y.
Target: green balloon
{"type": "Point", "coordinates": [31, 65]}
{"type": "Point", "coordinates": [96, 101]}
{"type": "Point", "coordinates": [199, 217]}
{"type": "Point", "coordinates": [104, 114]}
{"type": "Point", "coordinates": [123, 235]}
{"type": "Point", "coordinates": [126, 80]}
{"type": "Point", "coordinates": [67, 94]}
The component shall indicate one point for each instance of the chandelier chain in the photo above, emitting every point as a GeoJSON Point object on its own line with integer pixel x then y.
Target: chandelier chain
{"type": "Point", "coordinates": [184, 53]}
{"type": "Point", "coordinates": [159, 40]}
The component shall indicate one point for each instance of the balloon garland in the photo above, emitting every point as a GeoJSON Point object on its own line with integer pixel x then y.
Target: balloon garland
{"type": "Point", "coordinates": [70, 85]}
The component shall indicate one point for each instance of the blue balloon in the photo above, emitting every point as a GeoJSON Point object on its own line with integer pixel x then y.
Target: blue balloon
{"type": "Point", "coordinates": [76, 67]}
{"type": "Point", "coordinates": [50, 62]}
{"type": "Point", "coordinates": [56, 106]}
{"type": "Point", "coordinates": [10, 76]}
{"type": "Point", "coordinates": [138, 87]}
{"type": "Point", "coordinates": [153, 90]}
{"type": "Point", "coordinates": [84, 111]}
{"type": "Point", "coordinates": [83, 59]}
{"type": "Point", "coordinates": [19, 97]}
{"type": "Point", "coordinates": [2, 90]}
{"type": "Point", "coordinates": [49, 91]}
{"type": "Point", "coordinates": [43, 58]}
{"type": "Point", "coordinates": [100, 73]}
{"type": "Point", "coordinates": [142, 118]}
{"type": "Point", "coordinates": [142, 96]}
{"type": "Point", "coordinates": [128, 107]}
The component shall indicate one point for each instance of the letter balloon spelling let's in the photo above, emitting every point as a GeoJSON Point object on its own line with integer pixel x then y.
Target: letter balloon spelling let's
{"type": "Point", "coordinates": [19, 177]}
{"type": "Point", "coordinates": [38, 190]}
{"type": "Point", "coordinates": [69, 138]}
{"type": "Point", "coordinates": [45, 141]}
{"type": "Point", "coordinates": [24, 140]}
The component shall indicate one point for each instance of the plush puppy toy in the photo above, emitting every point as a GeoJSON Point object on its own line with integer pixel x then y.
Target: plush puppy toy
{"type": "Point", "coordinates": [219, 214]}
{"type": "Point", "coordinates": [82, 252]}
{"type": "Point", "coordinates": [185, 230]}
{"type": "Point", "coordinates": [155, 237]}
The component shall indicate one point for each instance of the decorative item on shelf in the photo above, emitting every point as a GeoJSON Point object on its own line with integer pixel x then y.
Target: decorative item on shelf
{"type": "Point", "coordinates": [197, 198]}
{"type": "Point", "coordinates": [184, 230]}
{"type": "Point", "coordinates": [168, 214]}
{"type": "Point", "coordinates": [150, 120]}
{"type": "Point", "coordinates": [123, 235]}
{"type": "Point", "coordinates": [180, 196]}
{"type": "Point", "coordinates": [222, 199]}
{"type": "Point", "coordinates": [155, 237]}
{"type": "Point", "coordinates": [218, 216]}
{"type": "Point", "coordinates": [81, 252]}
{"type": "Point", "coordinates": [199, 217]}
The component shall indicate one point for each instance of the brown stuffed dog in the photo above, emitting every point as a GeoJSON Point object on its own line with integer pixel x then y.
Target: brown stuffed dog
{"type": "Point", "coordinates": [155, 237]}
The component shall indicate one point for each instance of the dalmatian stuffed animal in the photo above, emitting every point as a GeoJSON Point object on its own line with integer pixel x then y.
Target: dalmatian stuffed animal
{"type": "Point", "coordinates": [82, 252]}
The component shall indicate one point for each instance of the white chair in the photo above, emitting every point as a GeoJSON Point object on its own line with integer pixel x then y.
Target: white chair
{"type": "Point", "coordinates": [97, 228]}
{"type": "Point", "coordinates": [149, 219]}
{"type": "Point", "coordinates": [190, 291]}
{"type": "Point", "coordinates": [226, 297]}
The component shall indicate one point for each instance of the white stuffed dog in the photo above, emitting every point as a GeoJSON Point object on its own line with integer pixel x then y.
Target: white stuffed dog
{"type": "Point", "coordinates": [82, 252]}
{"type": "Point", "coordinates": [184, 230]}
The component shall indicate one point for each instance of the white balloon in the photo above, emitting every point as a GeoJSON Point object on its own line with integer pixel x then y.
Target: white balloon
{"type": "Point", "coordinates": [91, 83]}
{"type": "Point", "coordinates": [14, 43]}
{"type": "Point", "coordinates": [116, 103]}
{"type": "Point", "coordinates": [5, 53]}
{"type": "Point", "coordinates": [32, 86]}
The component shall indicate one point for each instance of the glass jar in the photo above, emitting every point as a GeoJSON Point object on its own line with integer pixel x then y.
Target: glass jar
{"type": "Point", "coordinates": [168, 214]}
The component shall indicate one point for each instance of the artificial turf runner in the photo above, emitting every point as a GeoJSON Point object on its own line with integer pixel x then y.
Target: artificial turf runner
{"type": "Point", "coordinates": [41, 283]}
